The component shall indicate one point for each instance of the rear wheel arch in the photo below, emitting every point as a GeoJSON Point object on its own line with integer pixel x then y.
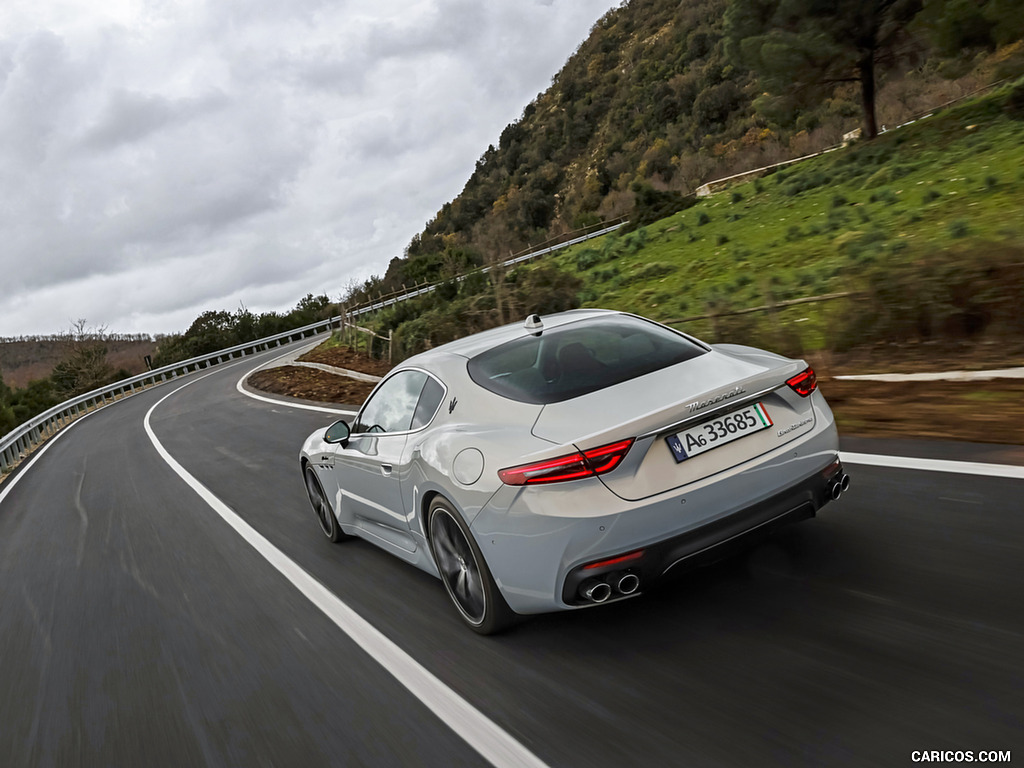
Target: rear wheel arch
{"type": "Point", "coordinates": [463, 569]}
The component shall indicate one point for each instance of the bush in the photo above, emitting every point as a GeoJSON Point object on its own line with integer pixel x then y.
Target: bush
{"type": "Point", "coordinates": [884, 195]}
{"type": "Point", "coordinates": [1014, 104]}
{"type": "Point", "coordinates": [651, 271]}
{"type": "Point", "coordinates": [801, 182]}
{"type": "Point", "coordinates": [878, 178]}
{"type": "Point", "coordinates": [703, 218]}
{"type": "Point", "coordinates": [587, 258]}
{"type": "Point", "coordinates": [652, 205]}
{"type": "Point", "coordinates": [958, 228]}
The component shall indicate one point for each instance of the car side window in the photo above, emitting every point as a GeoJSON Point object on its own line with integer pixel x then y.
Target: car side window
{"type": "Point", "coordinates": [430, 398]}
{"type": "Point", "coordinates": [391, 407]}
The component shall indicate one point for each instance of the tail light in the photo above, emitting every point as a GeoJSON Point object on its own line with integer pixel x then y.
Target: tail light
{"type": "Point", "coordinates": [803, 383]}
{"type": "Point", "coordinates": [615, 560]}
{"type": "Point", "coordinates": [572, 466]}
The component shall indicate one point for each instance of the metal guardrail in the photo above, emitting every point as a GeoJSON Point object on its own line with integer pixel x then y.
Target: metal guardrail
{"type": "Point", "coordinates": [20, 441]}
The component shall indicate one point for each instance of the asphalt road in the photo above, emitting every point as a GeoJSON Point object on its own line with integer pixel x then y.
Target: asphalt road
{"type": "Point", "coordinates": [137, 628]}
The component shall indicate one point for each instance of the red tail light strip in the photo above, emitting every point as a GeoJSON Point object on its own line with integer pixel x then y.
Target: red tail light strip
{"type": "Point", "coordinates": [615, 560]}
{"type": "Point", "coordinates": [803, 383]}
{"type": "Point", "coordinates": [573, 466]}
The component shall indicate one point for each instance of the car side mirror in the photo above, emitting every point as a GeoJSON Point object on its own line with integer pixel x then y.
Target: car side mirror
{"type": "Point", "coordinates": [338, 432]}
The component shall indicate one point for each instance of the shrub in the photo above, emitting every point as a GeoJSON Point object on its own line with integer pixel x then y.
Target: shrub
{"type": "Point", "coordinates": [836, 220]}
{"type": "Point", "coordinates": [1014, 104]}
{"type": "Point", "coordinates": [737, 198]}
{"type": "Point", "coordinates": [603, 275]}
{"type": "Point", "coordinates": [878, 179]}
{"type": "Point", "coordinates": [884, 195]}
{"type": "Point", "coordinates": [860, 246]}
{"type": "Point", "coordinates": [959, 228]}
{"type": "Point", "coordinates": [703, 218]}
{"type": "Point", "coordinates": [899, 171]}
{"type": "Point", "coordinates": [656, 269]}
{"type": "Point", "coordinates": [838, 201]}
{"type": "Point", "coordinates": [722, 239]}
{"type": "Point", "coordinates": [587, 258]}
{"type": "Point", "coordinates": [653, 204]}
{"type": "Point", "coordinates": [930, 195]}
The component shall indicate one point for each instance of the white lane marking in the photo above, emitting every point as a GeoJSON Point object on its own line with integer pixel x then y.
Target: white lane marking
{"type": "Point", "coordinates": [321, 408]}
{"type": "Point", "coordinates": [1002, 373]}
{"type": "Point", "coordinates": [9, 484]}
{"type": "Point", "coordinates": [935, 465]}
{"type": "Point", "coordinates": [482, 734]}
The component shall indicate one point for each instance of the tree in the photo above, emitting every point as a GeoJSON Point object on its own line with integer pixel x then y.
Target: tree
{"type": "Point", "coordinates": [959, 25]}
{"type": "Point", "coordinates": [84, 366]}
{"type": "Point", "coordinates": [7, 420]}
{"type": "Point", "coordinates": [804, 49]}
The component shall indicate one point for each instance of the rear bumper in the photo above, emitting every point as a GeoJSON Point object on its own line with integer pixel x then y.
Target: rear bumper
{"type": "Point", "coordinates": [713, 541]}
{"type": "Point", "coordinates": [537, 541]}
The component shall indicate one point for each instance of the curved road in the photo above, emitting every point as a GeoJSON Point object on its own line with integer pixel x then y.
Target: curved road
{"type": "Point", "coordinates": [139, 626]}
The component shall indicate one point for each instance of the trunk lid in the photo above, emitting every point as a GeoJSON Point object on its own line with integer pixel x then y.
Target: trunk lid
{"type": "Point", "coordinates": [663, 403]}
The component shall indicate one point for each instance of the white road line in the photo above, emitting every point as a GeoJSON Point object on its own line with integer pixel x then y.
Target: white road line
{"type": "Point", "coordinates": [302, 406]}
{"type": "Point", "coordinates": [482, 734]}
{"type": "Point", "coordinates": [935, 465]}
{"type": "Point", "coordinates": [1002, 373]}
{"type": "Point", "coordinates": [8, 485]}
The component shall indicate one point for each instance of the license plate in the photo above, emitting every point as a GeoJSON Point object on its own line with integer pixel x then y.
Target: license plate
{"type": "Point", "coordinates": [711, 434]}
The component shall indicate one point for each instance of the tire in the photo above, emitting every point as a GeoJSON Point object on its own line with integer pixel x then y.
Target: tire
{"type": "Point", "coordinates": [464, 572]}
{"type": "Point", "coordinates": [322, 507]}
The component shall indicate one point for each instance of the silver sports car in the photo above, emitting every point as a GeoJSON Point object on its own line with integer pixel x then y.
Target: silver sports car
{"type": "Point", "coordinates": [574, 460]}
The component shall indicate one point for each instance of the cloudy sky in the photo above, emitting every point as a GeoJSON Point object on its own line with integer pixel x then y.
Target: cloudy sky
{"type": "Point", "coordinates": [159, 158]}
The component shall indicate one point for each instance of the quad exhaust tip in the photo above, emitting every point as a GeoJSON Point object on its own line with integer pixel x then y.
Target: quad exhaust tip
{"type": "Point", "coordinates": [839, 487]}
{"type": "Point", "coordinates": [628, 584]}
{"type": "Point", "coordinates": [596, 591]}
{"type": "Point", "coordinates": [601, 590]}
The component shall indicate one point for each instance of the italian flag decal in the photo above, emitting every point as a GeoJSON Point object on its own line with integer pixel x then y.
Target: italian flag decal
{"type": "Point", "coordinates": [763, 415]}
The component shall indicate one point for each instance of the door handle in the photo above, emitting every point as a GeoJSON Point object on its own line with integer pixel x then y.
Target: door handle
{"type": "Point", "coordinates": [385, 469]}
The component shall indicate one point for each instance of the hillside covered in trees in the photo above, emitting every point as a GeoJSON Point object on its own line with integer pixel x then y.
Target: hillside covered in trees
{"type": "Point", "coordinates": [665, 95]}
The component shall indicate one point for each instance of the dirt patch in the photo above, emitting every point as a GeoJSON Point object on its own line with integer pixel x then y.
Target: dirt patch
{"type": "Point", "coordinates": [343, 357]}
{"type": "Point", "coordinates": [311, 384]}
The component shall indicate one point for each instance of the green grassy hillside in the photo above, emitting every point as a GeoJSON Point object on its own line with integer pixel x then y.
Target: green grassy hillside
{"type": "Point", "coordinates": [927, 222]}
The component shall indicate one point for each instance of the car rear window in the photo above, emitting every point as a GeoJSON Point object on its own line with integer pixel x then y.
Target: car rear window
{"type": "Point", "coordinates": [579, 358]}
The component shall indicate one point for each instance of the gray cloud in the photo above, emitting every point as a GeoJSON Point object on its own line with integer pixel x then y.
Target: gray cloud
{"type": "Point", "coordinates": [172, 156]}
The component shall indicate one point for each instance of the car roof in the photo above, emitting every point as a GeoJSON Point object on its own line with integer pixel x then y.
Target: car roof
{"type": "Point", "coordinates": [473, 345]}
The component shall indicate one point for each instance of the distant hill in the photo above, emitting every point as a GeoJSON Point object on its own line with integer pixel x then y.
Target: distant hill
{"type": "Point", "coordinates": [32, 358]}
